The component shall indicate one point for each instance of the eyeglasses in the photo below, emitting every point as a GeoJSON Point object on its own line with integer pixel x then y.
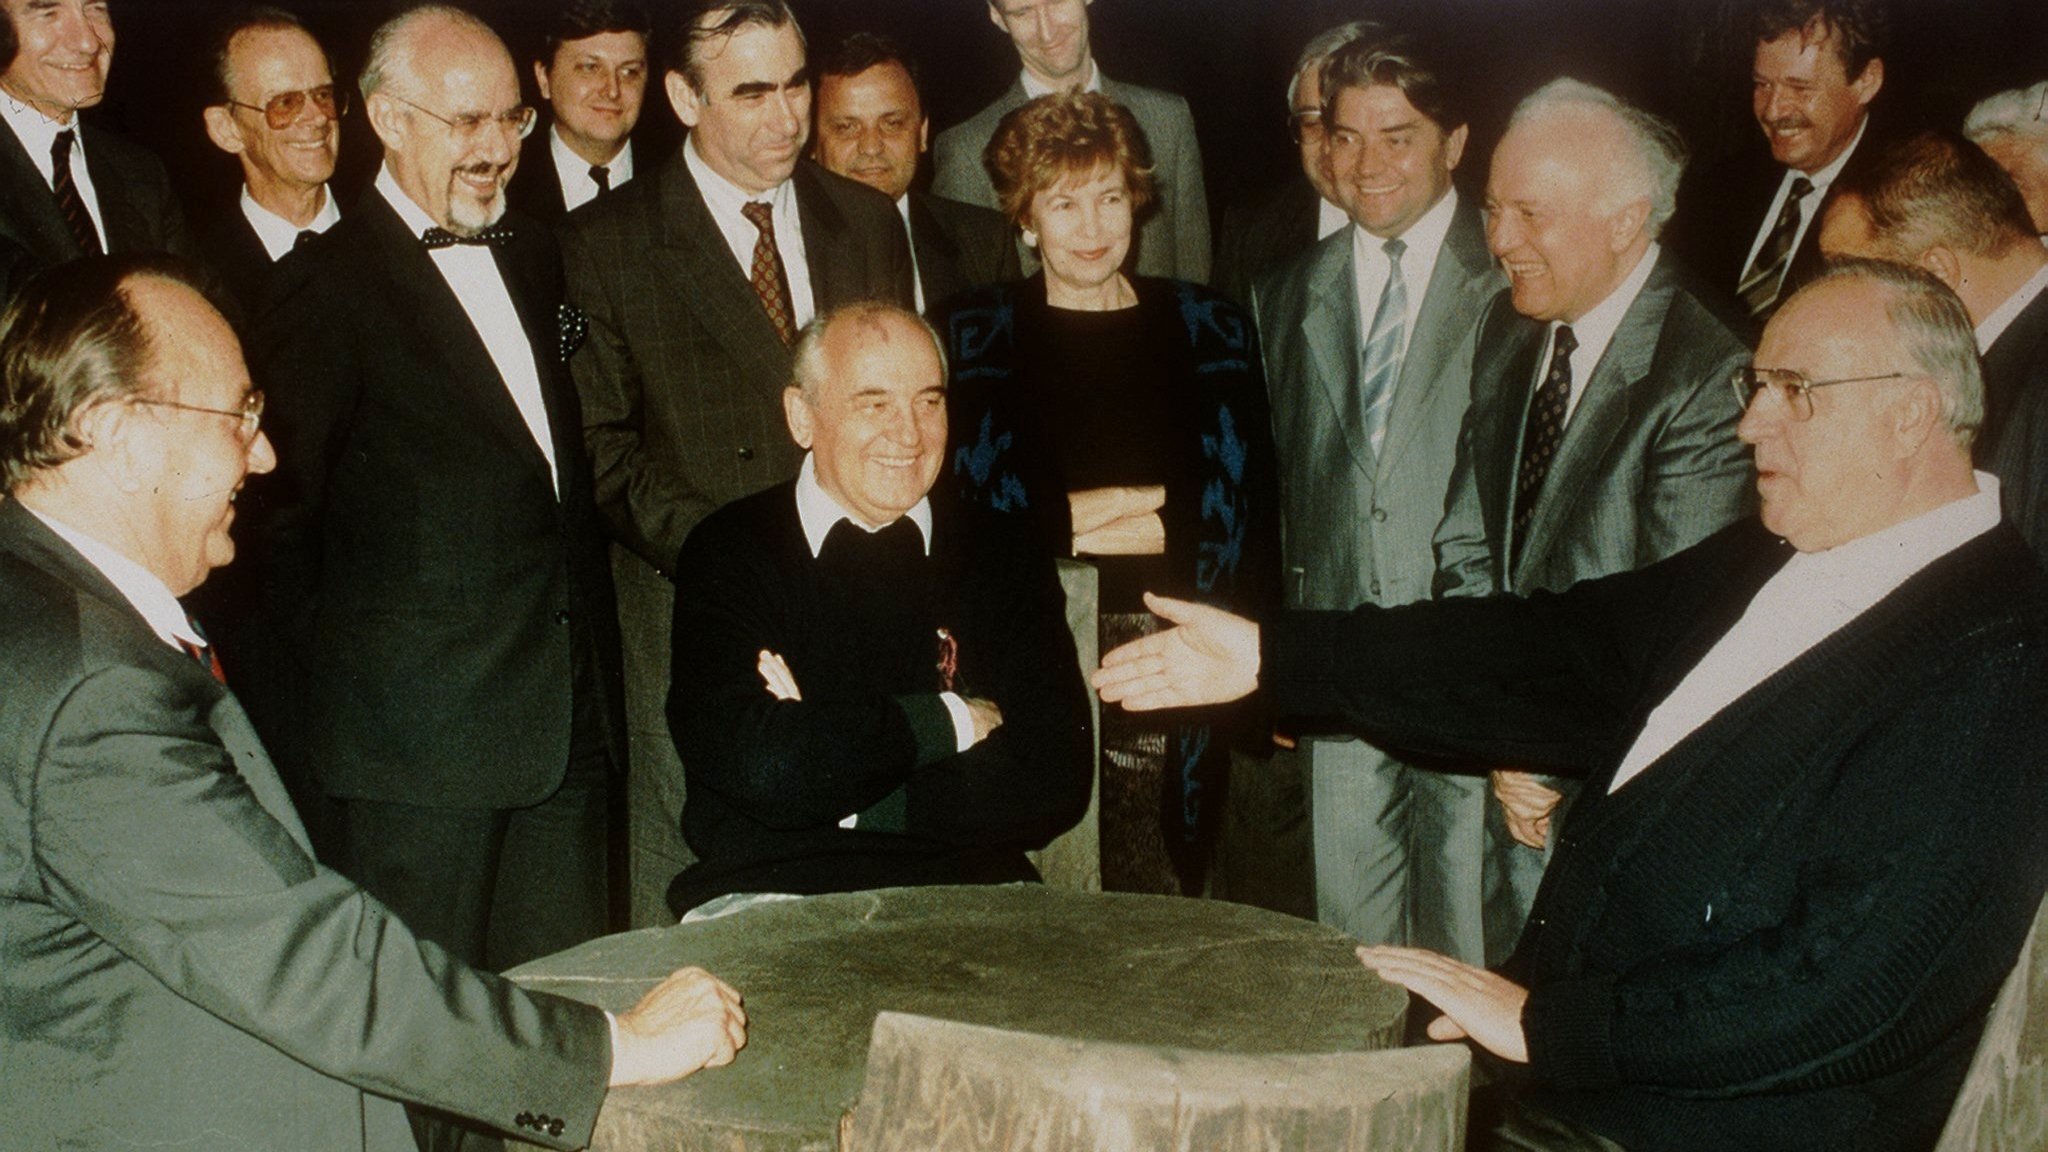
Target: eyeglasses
{"type": "Point", "coordinates": [250, 413]}
{"type": "Point", "coordinates": [1302, 123]}
{"type": "Point", "coordinates": [1792, 389]}
{"type": "Point", "coordinates": [282, 110]}
{"type": "Point", "coordinates": [468, 126]}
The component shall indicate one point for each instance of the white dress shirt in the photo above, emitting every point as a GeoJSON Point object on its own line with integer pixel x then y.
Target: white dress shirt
{"type": "Point", "coordinates": [1033, 89]}
{"type": "Point", "coordinates": [1329, 218]}
{"type": "Point", "coordinates": [1815, 595]}
{"type": "Point", "coordinates": [2001, 317]}
{"type": "Point", "coordinates": [1595, 330]}
{"type": "Point", "coordinates": [472, 274]}
{"type": "Point", "coordinates": [279, 234]}
{"type": "Point", "coordinates": [724, 199]}
{"type": "Point", "coordinates": [916, 276]}
{"type": "Point", "coordinates": [818, 512]}
{"type": "Point", "coordinates": [1809, 204]}
{"type": "Point", "coordinates": [138, 585]}
{"type": "Point", "coordinates": [38, 134]}
{"type": "Point", "coordinates": [573, 171]}
{"type": "Point", "coordinates": [1370, 267]}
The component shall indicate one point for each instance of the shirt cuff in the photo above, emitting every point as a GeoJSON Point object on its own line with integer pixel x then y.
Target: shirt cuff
{"type": "Point", "coordinates": [963, 720]}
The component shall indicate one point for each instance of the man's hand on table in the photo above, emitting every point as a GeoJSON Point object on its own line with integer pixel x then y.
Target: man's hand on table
{"type": "Point", "coordinates": [689, 1021]}
{"type": "Point", "coordinates": [1212, 657]}
{"type": "Point", "coordinates": [1527, 806]}
{"type": "Point", "coordinates": [1475, 1003]}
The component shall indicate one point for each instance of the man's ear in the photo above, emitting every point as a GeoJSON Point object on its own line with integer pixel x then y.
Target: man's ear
{"type": "Point", "coordinates": [1454, 146]}
{"type": "Point", "coordinates": [386, 119]}
{"type": "Point", "coordinates": [1627, 223]}
{"type": "Point", "coordinates": [222, 129]}
{"type": "Point", "coordinates": [1868, 82]}
{"type": "Point", "coordinates": [1943, 263]}
{"type": "Point", "coordinates": [540, 78]}
{"type": "Point", "coordinates": [682, 98]}
{"type": "Point", "coordinates": [800, 416]}
{"type": "Point", "coordinates": [107, 429]}
{"type": "Point", "coordinates": [1916, 416]}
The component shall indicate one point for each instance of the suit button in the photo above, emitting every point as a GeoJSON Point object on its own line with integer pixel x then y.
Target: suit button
{"type": "Point", "coordinates": [1379, 515]}
{"type": "Point", "coordinates": [562, 617]}
{"type": "Point", "coordinates": [746, 453]}
{"type": "Point", "coordinates": [555, 1127]}
{"type": "Point", "coordinates": [523, 1120]}
{"type": "Point", "coordinates": [1374, 588]}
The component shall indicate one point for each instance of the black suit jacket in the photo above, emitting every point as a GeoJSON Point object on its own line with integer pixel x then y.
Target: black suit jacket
{"type": "Point", "coordinates": [770, 780]}
{"type": "Point", "coordinates": [536, 189]}
{"type": "Point", "coordinates": [238, 261]}
{"type": "Point", "coordinates": [138, 210]}
{"type": "Point", "coordinates": [1784, 934]}
{"type": "Point", "coordinates": [422, 568]}
{"type": "Point", "coordinates": [174, 967]}
{"type": "Point", "coordinates": [1263, 234]}
{"type": "Point", "coordinates": [2014, 441]}
{"type": "Point", "coordinates": [959, 246]}
{"type": "Point", "coordinates": [682, 377]}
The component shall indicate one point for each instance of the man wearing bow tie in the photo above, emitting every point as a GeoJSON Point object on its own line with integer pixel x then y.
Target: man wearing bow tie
{"type": "Point", "coordinates": [435, 570]}
{"type": "Point", "coordinates": [874, 685]}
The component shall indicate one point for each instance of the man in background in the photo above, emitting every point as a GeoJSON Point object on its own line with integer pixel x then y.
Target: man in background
{"type": "Point", "coordinates": [592, 73]}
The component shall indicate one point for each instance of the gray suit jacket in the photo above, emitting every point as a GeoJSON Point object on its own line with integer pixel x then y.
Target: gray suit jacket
{"type": "Point", "coordinates": [1173, 243]}
{"type": "Point", "coordinates": [1649, 464]}
{"type": "Point", "coordinates": [175, 969]}
{"type": "Point", "coordinates": [682, 372]}
{"type": "Point", "coordinates": [1356, 527]}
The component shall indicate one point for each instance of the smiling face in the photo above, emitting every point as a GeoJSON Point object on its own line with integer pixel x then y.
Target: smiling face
{"type": "Point", "coordinates": [1564, 250]}
{"type": "Point", "coordinates": [1083, 225]}
{"type": "Point", "coordinates": [66, 47]}
{"type": "Point", "coordinates": [876, 419]}
{"type": "Point", "coordinates": [1391, 163]}
{"type": "Point", "coordinates": [753, 116]}
{"type": "Point", "coordinates": [871, 127]}
{"type": "Point", "coordinates": [595, 87]}
{"type": "Point", "coordinates": [264, 63]}
{"type": "Point", "coordinates": [1809, 108]}
{"type": "Point", "coordinates": [458, 177]}
{"type": "Point", "coordinates": [1051, 37]}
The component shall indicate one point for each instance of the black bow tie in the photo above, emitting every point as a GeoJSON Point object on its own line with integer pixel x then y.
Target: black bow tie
{"type": "Point", "coordinates": [495, 236]}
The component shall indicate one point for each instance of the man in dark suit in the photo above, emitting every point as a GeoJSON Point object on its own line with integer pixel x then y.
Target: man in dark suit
{"type": "Point", "coordinates": [177, 969]}
{"type": "Point", "coordinates": [1751, 225]}
{"type": "Point", "coordinates": [1769, 924]}
{"type": "Point", "coordinates": [1601, 436]}
{"type": "Point", "coordinates": [68, 189]}
{"type": "Point", "coordinates": [1263, 234]}
{"type": "Point", "coordinates": [1368, 340]}
{"type": "Point", "coordinates": [1937, 201]}
{"type": "Point", "coordinates": [592, 72]}
{"type": "Point", "coordinates": [1051, 39]}
{"type": "Point", "coordinates": [872, 128]}
{"type": "Point", "coordinates": [276, 109]}
{"type": "Point", "coordinates": [873, 688]}
{"type": "Point", "coordinates": [435, 562]}
{"type": "Point", "coordinates": [692, 309]}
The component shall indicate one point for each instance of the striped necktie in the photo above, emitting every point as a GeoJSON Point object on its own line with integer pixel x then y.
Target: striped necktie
{"type": "Point", "coordinates": [1766, 276]}
{"type": "Point", "coordinates": [69, 203]}
{"type": "Point", "coordinates": [1380, 368]}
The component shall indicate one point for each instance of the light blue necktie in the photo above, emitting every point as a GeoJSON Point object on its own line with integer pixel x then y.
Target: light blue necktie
{"type": "Point", "coordinates": [1380, 367]}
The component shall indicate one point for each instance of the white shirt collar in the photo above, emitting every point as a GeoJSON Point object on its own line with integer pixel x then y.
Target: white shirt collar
{"type": "Point", "coordinates": [724, 196]}
{"type": "Point", "coordinates": [1885, 558]}
{"type": "Point", "coordinates": [148, 595]}
{"type": "Point", "coordinates": [1595, 330]}
{"type": "Point", "coordinates": [1826, 176]}
{"type": "Point", "coordinates": [414, 217]}
{"type": "Point", "coordinates": [1423, 240]}
{"type": "Point", "coordinates": [2001, 317]}
{"type": "Point", "coordinates": [818, 511]}
{"type": "Point", "coordinates": [279, 234]}
{"type": "Point", "coordinates": [38, 132]}
{"type": "Point", "coordinates": [1329, 219]}
{"type": "Point", "coordinates": [573, 171]}
{"type": "Point", "coordinates": [1033, 89]}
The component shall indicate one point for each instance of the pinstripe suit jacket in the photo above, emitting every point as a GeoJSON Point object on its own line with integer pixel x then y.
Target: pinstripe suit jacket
{"type": "Point", "coordinates": [682, 373]}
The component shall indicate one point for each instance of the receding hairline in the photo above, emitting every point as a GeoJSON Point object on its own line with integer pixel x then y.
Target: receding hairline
{"type": "Point", "coordinates": [396, 46]}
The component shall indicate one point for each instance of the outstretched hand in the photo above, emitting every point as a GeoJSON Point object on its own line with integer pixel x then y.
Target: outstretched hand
{"type": "Point", "coordinates": [1475, 1003]}
{"type": "Point", "coordinates": [1209, 657]}
{"type": "Point", "coordinates": [689, 1021]}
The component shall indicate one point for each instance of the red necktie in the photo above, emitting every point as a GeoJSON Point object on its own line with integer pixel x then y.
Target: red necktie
{"type": "Point", "coordinates": [771, 283]}
{"type": "Point", "coordinates": [204, 652]}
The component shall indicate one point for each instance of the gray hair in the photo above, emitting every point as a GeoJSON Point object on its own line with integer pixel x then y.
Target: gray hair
{"type": "Point", "coordinates": [1652, 165]}
{"type": "Point", "coordinates": [2017, 111]}
{"type": "Point", "coordinates": [1319, 49]}
{"type": "Point", "coordinates": [1934, 329]}
{"type": "Point", "coordinates": [390, 49]}
{"type": "Point", "coordinates": [807, 368]}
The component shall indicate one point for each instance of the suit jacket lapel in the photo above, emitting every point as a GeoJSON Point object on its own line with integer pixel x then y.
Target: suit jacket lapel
{"type": "Point", "coordinates": [1510, 367]}
{"type": "Point", "coordinates": [938, 258]}
{"type": "Point", "coordinates": [1330, 332]}
{"type": "Point", "coordinates": [31, 206]}
{"type": "Point", "coordinates": [831, 251]}
{"type": "Point", "coordinates": [1444, 319]}
{"type": "Point", "coordinates": [701, 268]}
{"type": "Point", "coordinates": [126, 229]}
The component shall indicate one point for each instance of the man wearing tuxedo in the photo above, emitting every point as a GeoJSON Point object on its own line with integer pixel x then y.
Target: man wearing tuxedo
{"type": "Point", "coordinates": [175, 968]}
{"type": "Point", "coordinates": [276, 109]}
{"type": "Point", "coordinates": [696, 278]}
{"type": "Point", "coordinates": [872, 128]}
{"type": "Point", "coordinates": [874, 686]}
{"type": "Point", "coordinates": [434, 563]}
{"type": "Point", "coordinates": [1769, 924]}
{"type": "Point", "coordinates": [68, 189]}
{"type": "Point", "coordinates": [1601, 436]}
{"type": "Point", "coordinates": [592, 73]}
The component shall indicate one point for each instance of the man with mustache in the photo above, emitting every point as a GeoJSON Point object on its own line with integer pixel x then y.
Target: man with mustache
{"type": "Point", "coordinates": [435, 569]}
{"type": "Point", "coordinates": [1752, 226]}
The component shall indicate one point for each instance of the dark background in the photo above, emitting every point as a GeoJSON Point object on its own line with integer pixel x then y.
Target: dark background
{"type": "Point", "coordinates": [1687, 59]}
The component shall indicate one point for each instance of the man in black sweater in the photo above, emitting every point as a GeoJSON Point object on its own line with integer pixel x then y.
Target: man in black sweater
{"type": "Point", "coordinates": [872, 686]}
{"type": "Point", "coordinates": [1815, 826]}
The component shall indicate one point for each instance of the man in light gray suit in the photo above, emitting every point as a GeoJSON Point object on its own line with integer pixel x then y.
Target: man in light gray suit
{"type": "Point", "coordinates": [1051, 38]}
{"type": "Point", "coordinates": [1601, 435]}
{"type": "Point", "coordinates": [1368, 340]}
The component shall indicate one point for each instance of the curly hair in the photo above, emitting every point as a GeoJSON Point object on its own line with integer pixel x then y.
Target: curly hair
{"type": "Point", "coordinates": [1062, 136]}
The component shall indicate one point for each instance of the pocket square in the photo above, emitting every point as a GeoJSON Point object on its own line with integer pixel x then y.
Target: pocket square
{"type": "Point", "coordinates": [572, 326]}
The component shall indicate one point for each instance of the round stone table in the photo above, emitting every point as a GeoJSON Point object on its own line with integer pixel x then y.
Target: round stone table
{"type": "Point", "coordinates": [1149, 970]}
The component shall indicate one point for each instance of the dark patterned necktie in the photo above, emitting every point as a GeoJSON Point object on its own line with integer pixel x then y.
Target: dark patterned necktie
{"type": "Point", "coordinates": [771, 284]}
{"type": "Point", "coordinates": [1542, 434]}
{"type": "Point", "coordinates": [306, 236]}
{"type": "Point", "coordinates": [69, 202]}
{"type": "Point", "coordinates": [602, 177]}
{"type": "Point", "coordinates": [1766, 276]}
{"type": "Point", "coordinates": [204, 652]}
{"type": "Point", "coordinates": [495, 236]}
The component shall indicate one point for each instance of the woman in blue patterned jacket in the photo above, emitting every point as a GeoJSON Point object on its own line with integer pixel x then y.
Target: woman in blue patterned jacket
{"type": "Point", "coordinates": [1127, 417]}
